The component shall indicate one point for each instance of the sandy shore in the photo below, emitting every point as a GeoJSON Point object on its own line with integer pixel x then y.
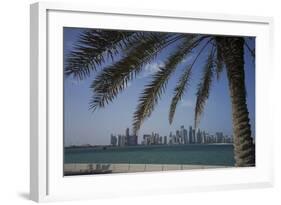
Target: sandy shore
{"type": "Point", "coordinates": [103, 168]}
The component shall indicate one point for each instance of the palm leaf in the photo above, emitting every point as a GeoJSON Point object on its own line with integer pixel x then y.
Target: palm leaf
{"type": "Point", "coordinates": [179, 92]}
{"type": "Point", "coordinates": [219, 60]}
{"type": "Point", "coordinates": [153, 91]}
{"type": "Point", "coordinates": [95, 47]}
{"type": "Point", "coordinates": [113, 79]}
{"type": "Point", "coordinates": [204, 87]}
{"type": "Point", "coordinates": [251, 50]}
{"type": "Point", "coordinates": [183, 83]}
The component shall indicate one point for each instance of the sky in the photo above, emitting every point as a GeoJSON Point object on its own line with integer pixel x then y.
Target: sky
{"type": "Point", "coordinates": [82, 126]}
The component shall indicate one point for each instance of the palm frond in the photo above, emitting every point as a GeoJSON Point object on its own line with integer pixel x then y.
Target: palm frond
{"type": "Point", "coordinates": [94, 47]}
{"type": "Point", "coordinates": [113, 79]}
{"type": "Point", "coordinates": [219, 60]}
{"type": "Point", "coordinates": [183, 83]}
{"type": "Point", "coordinates": [179, 92]}
{"type": "Point", "coordinates": [251, 50]}
{"type": "Point", "coordinates": [153, 91]}
{"type": "Point", "coordinates": [204, 87]}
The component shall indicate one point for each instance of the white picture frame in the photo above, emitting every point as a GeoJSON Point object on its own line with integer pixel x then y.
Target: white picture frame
{"type": "Point", "coordinates": [46, 176]}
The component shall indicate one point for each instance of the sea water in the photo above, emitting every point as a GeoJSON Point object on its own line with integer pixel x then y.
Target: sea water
{"type": "Point", "coordinates": [207, 154]}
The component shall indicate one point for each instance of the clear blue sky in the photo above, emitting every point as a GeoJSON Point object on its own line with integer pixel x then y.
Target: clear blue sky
{"type": "Point", "coordinates": [81, 126]}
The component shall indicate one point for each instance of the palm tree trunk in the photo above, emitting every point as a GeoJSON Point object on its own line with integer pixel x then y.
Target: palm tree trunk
{"type": "Point", "coordinates": [233, 54]}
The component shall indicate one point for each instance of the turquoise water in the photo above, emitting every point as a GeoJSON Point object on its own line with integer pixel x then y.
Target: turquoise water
{"type": "Point", "coordinates": [157, 154]}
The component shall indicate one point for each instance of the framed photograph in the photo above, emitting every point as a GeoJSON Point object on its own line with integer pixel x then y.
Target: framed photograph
{"type": "Point", "coordinates": [133, 102]}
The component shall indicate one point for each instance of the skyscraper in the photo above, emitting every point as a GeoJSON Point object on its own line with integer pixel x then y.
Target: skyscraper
{"type": "Point", "coordinates": [219, 137]}
{"type": "Point", "coordinates": [185, 136]}
{"type": "Point", "coordinates": [171, 138]}
{"type": "Point", "coordinates": [127, 132]}
{"type": "Point", "coordinates": [130, 139]}
{"type": "Point", "coordinates": [147, 139]}
{"type": "Point", "coordinates": [121, 140]}
{"type": "Point", "coordinates": [113, 140]}
{"type": "Point", "coordinates": [190, 135]}
{"type": "Point", "coordinates": [193, 136]}
{"type": "Point", "coordinates": [157, 138]}
{"type": "Point", "coordinates": [203, 137]}
{"type": "Point", "coordinates": [182, 141]}
{"type": "Point", "coordinates": [165, 139]}
{"type": "Point", "coordinates": [198, 136]}
{"type": "Point", "coordinates": [177, 137]}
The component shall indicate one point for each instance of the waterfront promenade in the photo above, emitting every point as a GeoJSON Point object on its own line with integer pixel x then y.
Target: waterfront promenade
{"type": "Point", "coordinates": [104, 168]}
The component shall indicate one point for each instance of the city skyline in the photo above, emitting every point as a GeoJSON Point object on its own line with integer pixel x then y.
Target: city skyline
{"type": "Point", "coordinates": [114, 138]}
{"type": "Point", "coordinates": [81, 126]}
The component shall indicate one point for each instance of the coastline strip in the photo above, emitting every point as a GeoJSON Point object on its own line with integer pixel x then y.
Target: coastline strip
{"type": "Point", "coordinates": [105, 168]}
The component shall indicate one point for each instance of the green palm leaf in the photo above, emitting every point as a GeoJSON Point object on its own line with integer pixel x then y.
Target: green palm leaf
{"type": "Point", "coordinates": [204, 87]}
{"type": "Point", "coordinates": [219, 60]}
{"type": "Point", "coordinates": [95, 47]}
{"type": "Point", "coordinates": [114, 78]}
{"type": "Point", "coordinates": [183, 83]}
{"type": "Point", "coordinates": [153, 91]}
{"type": "Point", "coordinates": [251, 50]}
{"type": "Point", "coordinates": [179, 92]}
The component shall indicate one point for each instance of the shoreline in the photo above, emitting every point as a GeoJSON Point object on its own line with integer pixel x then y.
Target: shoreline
{"type": "Point", "coordinates": [141, 145]}
{"type": "Point", "coordinates": [106, 168]}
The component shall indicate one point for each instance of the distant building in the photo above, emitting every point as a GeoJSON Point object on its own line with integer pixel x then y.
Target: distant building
{"type": "Point", "coordinates": [193, 136]}
{"type": "Point", "coordinates": [113, 140]}
{"type": "Point", "coordinates": [156, 138]}
{"type": "Point", "coordinates": [198, 137]}
{"type": "Point", "coordinates": [185, 137]}
{"type": "Point", "coordinates": [190, 135]}
{"type": "Point", "coordinates": [181, 136]}
{"type": "Point", "coordinates": [130, 140]}
{"type": "Point", "coordinates": [177, 137]}
{"type": "Point", "coordinates": [171, 138]}
{"type": "Point", "coordinates": [219, 137]}
{"type": "Point", "coordinates": [146, 139]}
{"type": "Point", "coordinates": [121, 140]}
{"type": "Point", "coordinates": [203, 137]}
{"type": "Point", "coordinates": [127, 132]}
{"type": "Point", "coordinates": [165, 140]}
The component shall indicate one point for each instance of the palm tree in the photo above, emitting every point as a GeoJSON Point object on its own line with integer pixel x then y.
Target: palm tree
{"type": "Point", "coordinates": [128, 52]}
